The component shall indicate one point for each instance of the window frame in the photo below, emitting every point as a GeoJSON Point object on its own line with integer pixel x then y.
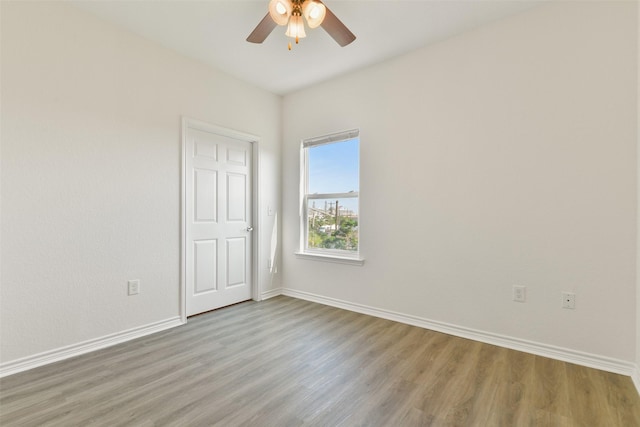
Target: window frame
{"type": "Point", "coordinates": [320, 254]}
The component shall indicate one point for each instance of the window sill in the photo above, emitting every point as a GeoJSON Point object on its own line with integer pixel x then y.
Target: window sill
{"type": "Point", "coordinates": [330, 258]}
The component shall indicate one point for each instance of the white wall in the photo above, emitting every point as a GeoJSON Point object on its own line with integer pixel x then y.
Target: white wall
{"type": "Point", "coordinates": [91, 150]}
{"type": "Point", "coordinates": [504, 156]}
{"type": "Point", "coordinates": [637, 373]}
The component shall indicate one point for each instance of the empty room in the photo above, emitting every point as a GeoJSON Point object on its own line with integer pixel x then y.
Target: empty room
{"type": "Point", "coordinates": [319, 213]}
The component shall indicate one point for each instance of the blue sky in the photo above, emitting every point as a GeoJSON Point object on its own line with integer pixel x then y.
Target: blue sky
{"type": "Point", "coordinates": [334, 168]}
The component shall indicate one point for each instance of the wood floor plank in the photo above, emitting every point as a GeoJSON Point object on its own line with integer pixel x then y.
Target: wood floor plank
{"type": "Point", "coordinates": [287, 362]}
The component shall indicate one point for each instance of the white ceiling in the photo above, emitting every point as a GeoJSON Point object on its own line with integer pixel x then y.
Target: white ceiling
{"type": "Point", "coordinates": [214, 32]}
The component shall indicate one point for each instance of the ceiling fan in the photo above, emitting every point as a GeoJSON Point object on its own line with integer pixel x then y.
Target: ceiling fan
{"type": "Point", "coordinates": [290, 13]}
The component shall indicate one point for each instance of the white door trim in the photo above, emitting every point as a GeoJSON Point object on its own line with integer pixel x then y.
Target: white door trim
{"type": "Point", "coordinates": [189, 123]}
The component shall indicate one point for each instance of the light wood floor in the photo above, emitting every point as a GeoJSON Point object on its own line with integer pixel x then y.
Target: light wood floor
{"type": "Point", "coordinates": [287, 362]}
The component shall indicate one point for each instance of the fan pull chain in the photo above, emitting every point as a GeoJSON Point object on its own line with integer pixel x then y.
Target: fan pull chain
{"type": "Point", "coordinates": [297, 42]}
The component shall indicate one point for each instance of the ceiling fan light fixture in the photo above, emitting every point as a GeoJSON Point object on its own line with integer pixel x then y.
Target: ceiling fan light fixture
{"type": "Point", "coordinates": [291, 12]}
{"type": "Point", "coordinates": [296, 28]}
{"type": "Point", "coordinates": [314, 11]}
{"type": "Point", "coordinates": [280, 11]}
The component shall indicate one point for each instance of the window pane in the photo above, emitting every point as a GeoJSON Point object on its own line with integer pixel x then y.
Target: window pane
{"type": "Point", "coordinates": [333, 168]}
{"type": "Point", "coordinates": [331, 228]}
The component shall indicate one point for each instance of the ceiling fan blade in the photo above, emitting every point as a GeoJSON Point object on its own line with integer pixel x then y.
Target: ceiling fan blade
{"type": "Point", "coordinates": [337, 29]}
{"type": "Point", "coordinates": [264, 28]}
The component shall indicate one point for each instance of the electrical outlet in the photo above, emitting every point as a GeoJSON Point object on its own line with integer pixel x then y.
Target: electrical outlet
{"type": "Point", "coordinates": [568, 300]}
{"type": "Point", "coordinates": [520, 293]}
{"type": "Point", "coordinates": [133, 287]}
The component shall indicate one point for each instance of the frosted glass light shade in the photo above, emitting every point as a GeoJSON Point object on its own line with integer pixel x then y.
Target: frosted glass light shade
{"type": "Point", "coordinates": [314, 12]}
{"type": "Point", "coordinates": [280, 11]}
{"type": "Point", "coordinates": [296, 28]}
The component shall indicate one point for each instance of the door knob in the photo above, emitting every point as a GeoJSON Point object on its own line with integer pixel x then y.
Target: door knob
{"type": "Point", "coordinates": [249, 228]}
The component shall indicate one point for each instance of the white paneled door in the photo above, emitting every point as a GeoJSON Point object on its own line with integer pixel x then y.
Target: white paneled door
{"type": "Point", "coordinates": [218, 226]}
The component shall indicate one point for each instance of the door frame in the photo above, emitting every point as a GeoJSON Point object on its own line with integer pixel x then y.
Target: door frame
{"type": "Point", "coordinates": [189, 123]}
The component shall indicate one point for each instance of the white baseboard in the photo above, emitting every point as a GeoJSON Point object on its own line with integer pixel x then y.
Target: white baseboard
{"type": "Point", "coordinates": [30, 362]}
{"type": "Point", "coordinates": [553, 352]}
{"type": "Point", "coordinates": [271, 293]}
{"type": "Point", "coordinates": [635, 377]}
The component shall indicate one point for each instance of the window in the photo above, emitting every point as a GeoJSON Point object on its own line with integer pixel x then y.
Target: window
{"type": "Point", "coordinates": [330, 196]}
